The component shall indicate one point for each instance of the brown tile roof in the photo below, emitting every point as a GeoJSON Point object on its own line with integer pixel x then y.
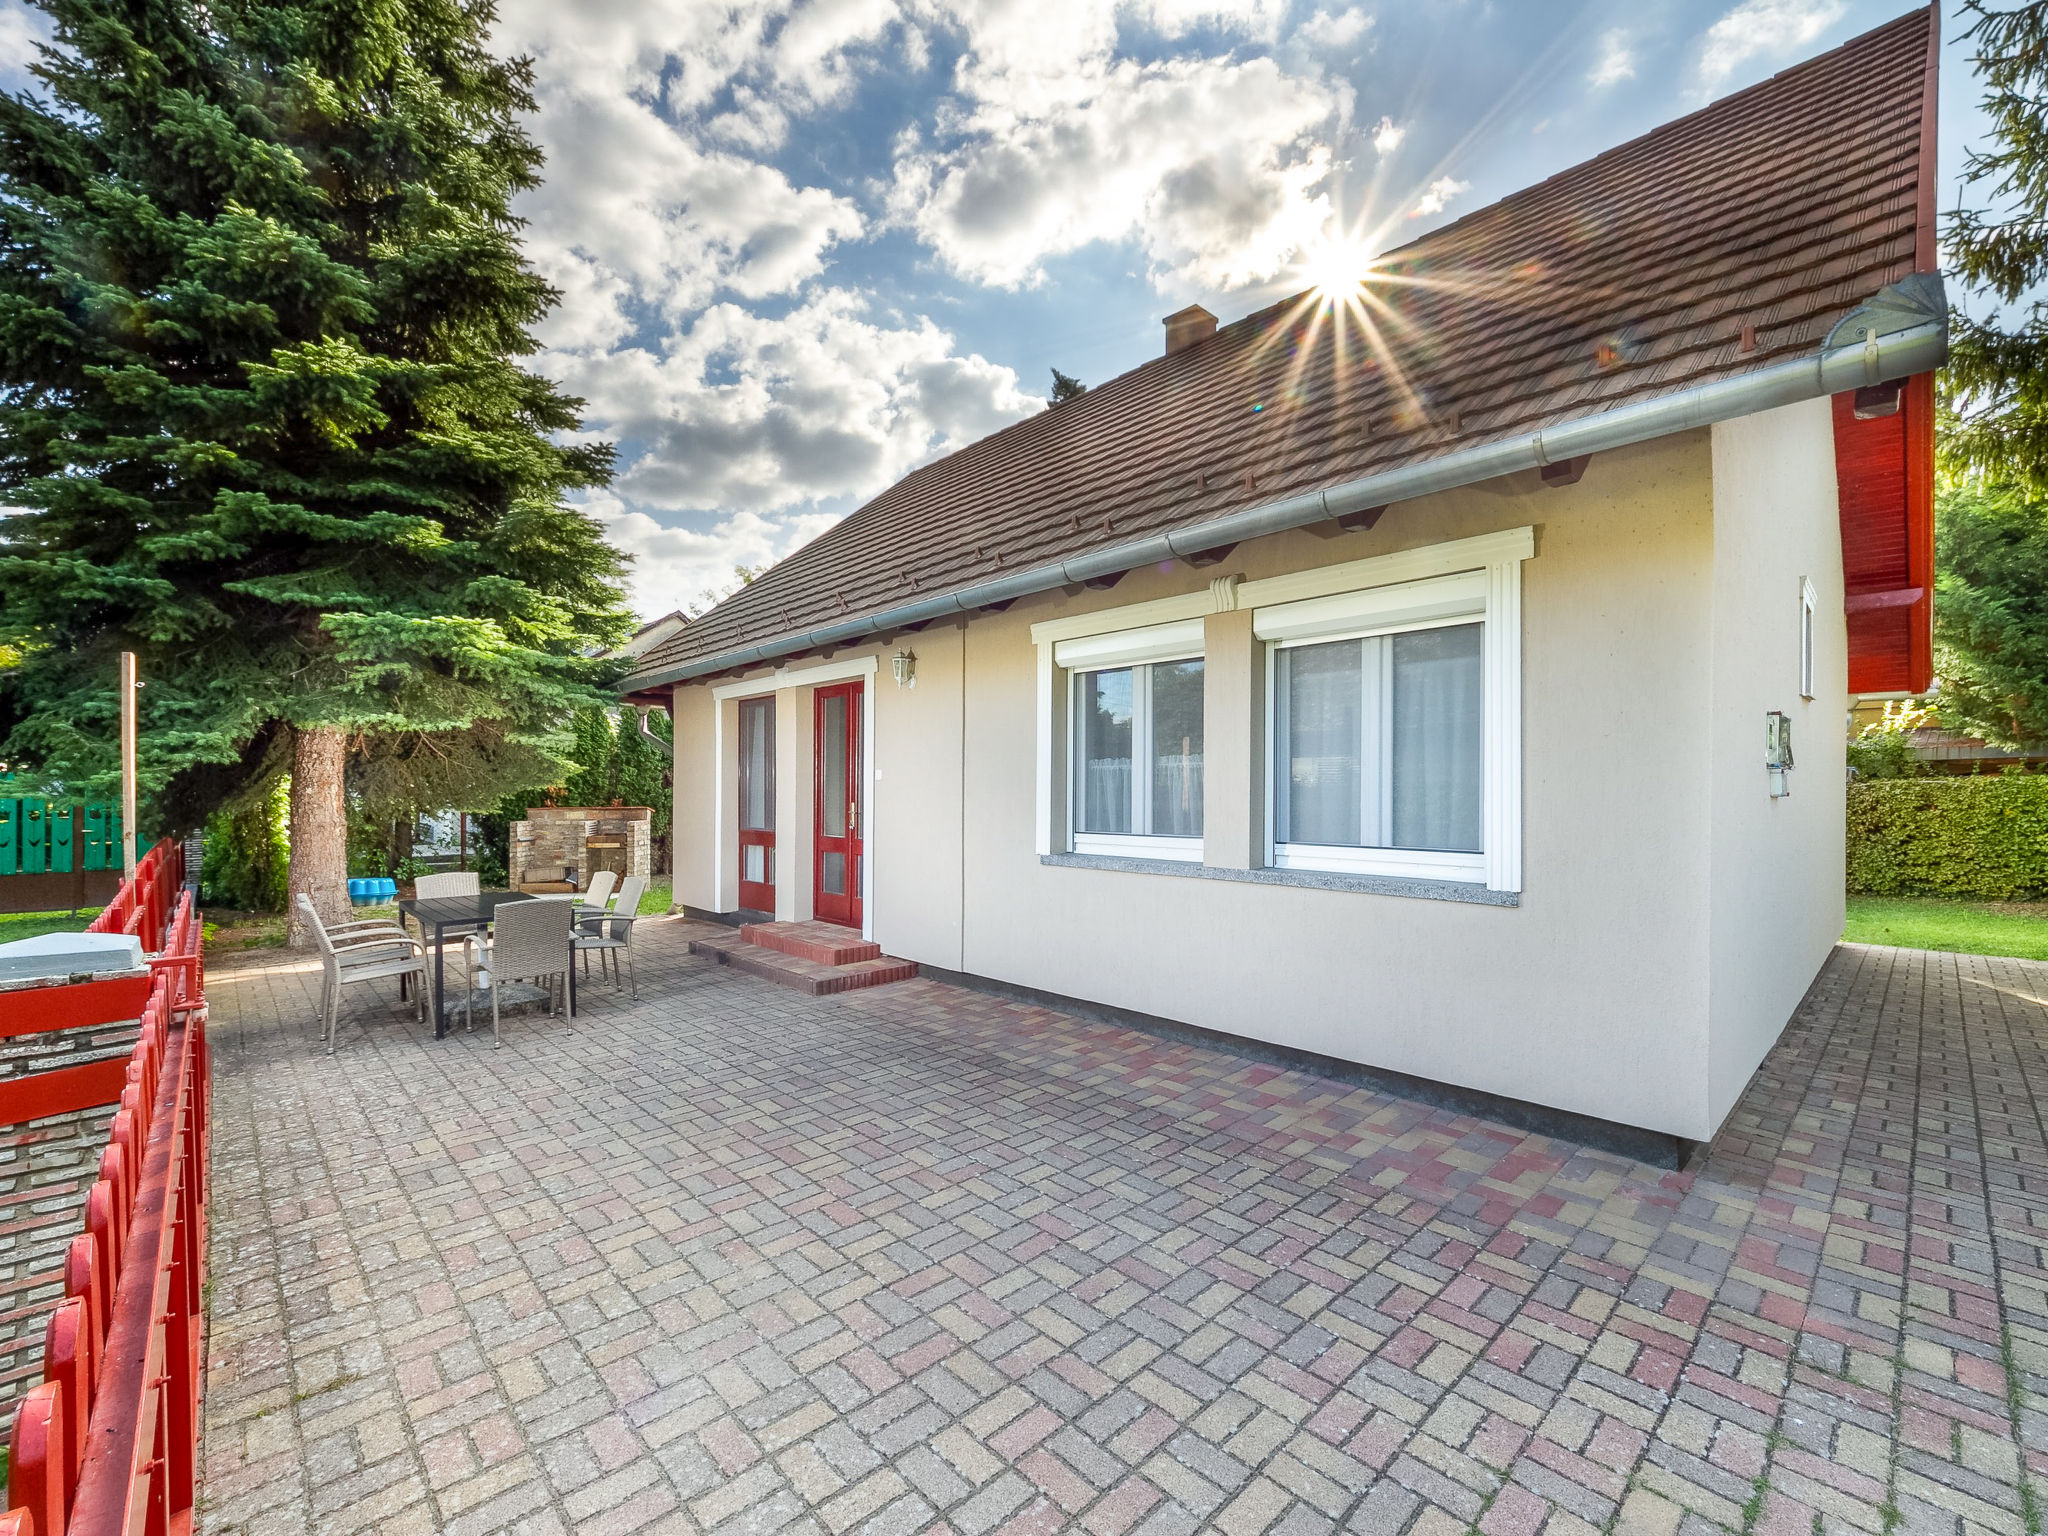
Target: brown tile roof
{"type": "Point", "coordinates": [1633, 275]}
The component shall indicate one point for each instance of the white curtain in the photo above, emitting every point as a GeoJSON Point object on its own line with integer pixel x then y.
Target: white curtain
{"type": "Point", "coordinates": [1439, 746]}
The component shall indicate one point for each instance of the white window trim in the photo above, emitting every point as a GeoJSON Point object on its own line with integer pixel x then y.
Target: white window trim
{"type": "Point", "coordinates": [1375, 611]}
{"type": "Point", "coordinates": [1131, 647]}
{"type": "Point", "coordinates": [1494, 597]}
{"type": "Point", "coordinates": [1135, 649]}
{"type": "Point", "coordinates": [1117, 845]}
{"type": "Point", "coordinates": [1499, 555]}
{"type": "Point", "coordinates": [1809, 604]}
{"type": "Point", "coordinates": [724, 890]}
{"type": "Point", "coordinates": [1401, 863]}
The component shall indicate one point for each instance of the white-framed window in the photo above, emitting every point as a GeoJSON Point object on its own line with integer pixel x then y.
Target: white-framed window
{"type": "Point", "coordinates": [1470, 589]}
{"type": "Point", "coordinates": [1808, 601]}
{"type": "Point", "coordinates": [1394, 729]}
{"type": "Point", "coordinates": [1135, 741]}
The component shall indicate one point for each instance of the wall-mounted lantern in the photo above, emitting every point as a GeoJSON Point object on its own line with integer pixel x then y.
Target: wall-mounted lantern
{"type": "Point", "coordinates": [904, 665]}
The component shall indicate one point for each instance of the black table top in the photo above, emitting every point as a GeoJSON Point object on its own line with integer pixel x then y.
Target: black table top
{"type": "Point", "coordinates": [444, 911]}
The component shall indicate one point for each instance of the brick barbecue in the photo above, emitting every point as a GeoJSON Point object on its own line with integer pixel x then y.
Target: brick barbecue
{"type": "Point", "coordinates": [559, 847]}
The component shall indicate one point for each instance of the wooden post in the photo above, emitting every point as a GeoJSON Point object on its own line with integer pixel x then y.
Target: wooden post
{"type": "Point", "coordinates": [128, 686]}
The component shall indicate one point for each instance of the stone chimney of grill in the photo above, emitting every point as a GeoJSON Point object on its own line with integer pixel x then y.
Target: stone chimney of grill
{"type": "Point", "coordinates": [1189, 326]}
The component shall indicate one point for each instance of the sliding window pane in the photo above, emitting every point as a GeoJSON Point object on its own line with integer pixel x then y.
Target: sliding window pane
{"type": "Point", "coordinates": [1105, 727]}
{"type": "Point", "coordinates": [1177, 749]}
{"type": "Point", "coordinates": [1323, 695]}
{"type": "Point", "coordinates": [1439, 753]}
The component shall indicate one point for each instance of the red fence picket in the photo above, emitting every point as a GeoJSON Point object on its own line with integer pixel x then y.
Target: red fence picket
{"type": "Point", "coordinates": [107, 1444]}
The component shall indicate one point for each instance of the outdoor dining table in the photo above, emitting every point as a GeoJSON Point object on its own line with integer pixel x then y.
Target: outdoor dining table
{"type": "Point", "coordinates": [447, 917]}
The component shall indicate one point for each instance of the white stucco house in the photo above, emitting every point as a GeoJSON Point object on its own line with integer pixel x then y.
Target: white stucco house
{"type": "Point", "coordinates": [1397, 677]}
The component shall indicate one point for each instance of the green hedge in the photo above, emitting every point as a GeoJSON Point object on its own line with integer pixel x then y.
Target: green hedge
{"type": "Point", "coordinates": [1981, 837]}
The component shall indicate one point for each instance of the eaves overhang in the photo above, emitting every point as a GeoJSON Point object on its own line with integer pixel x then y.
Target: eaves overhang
{"type": "Point", "coordinates": [1899, 332]}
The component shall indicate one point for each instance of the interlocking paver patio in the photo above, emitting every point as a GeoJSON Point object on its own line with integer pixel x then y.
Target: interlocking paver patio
{"type": "Point", "coordinates": [919, 1259]}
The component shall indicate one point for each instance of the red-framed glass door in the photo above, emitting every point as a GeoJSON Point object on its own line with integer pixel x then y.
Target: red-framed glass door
{"type": "Point", "coordinates": [757, 804]}
{"type": "Point", "coordinates": [836, 868]}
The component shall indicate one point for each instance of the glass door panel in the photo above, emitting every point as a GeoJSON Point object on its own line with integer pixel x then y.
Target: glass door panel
{"type": "Point", "coordinates": [757, 804]}
{"type": "Point", "coordinates": [837, 874]}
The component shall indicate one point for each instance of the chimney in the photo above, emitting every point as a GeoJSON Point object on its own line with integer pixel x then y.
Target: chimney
{"type": "Point", "coordinates": [1191, 325]}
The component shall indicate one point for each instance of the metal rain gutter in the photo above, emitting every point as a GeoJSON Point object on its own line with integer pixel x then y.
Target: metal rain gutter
{"type": "Point", "coordinates": [1898, 332]}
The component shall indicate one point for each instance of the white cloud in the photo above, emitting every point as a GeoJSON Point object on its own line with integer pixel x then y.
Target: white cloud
{"type": "Point", "coordinates": [1762, 29]}
{"type": "Point", "coordinates": [674, 567]}
{"type": "Point", "coordinates": [20, 30]}
{"type": "Point", "coordinates": [773, 59]}
{"type": "Point", "coordinates": [1616, 61]}
{"type": "Point", "coordinates": [669, 231]}
{"type": "Point", "coordinates": [1216, 166]}
{"type": "Point", "coordinates": [748, 412]}
{"type": "Point", "coordinates": [633, 212]}
{"type": "Point", "coordinates": [1437, 194]}
{"type": "Point", "coordinates": [1332, 32]}
{"type": "Point", "coordinates": [1387, 137]}
{"type": "Point", "coordinates": [758, 420]}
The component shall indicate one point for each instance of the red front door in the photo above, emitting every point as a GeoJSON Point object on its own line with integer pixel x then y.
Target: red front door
{"type": "Point", "coordinates": [757, 804]}
{"type": "Point", "coordinates": [837, 870]}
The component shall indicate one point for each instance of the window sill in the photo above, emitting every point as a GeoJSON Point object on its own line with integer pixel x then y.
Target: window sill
{"type": "Point", "coordinates": [1306, 879]}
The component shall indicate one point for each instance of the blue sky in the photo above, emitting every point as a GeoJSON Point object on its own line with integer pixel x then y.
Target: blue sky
{"type": "Point", "coordinates": [807, 246]}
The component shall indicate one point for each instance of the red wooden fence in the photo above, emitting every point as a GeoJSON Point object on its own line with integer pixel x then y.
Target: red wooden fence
{"type": "Point", "coordinates": [106, 1444]}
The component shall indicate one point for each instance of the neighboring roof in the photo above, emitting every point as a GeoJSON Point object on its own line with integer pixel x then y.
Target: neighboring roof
{"type": "Point", "coordinates": [1761, 220]}
{"type": "Point", "coordinates": [650, 634]}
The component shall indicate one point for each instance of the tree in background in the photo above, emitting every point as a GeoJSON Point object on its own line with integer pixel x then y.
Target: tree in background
{"type": "Point", "coordinates": [1991, 613]}
{"type": "Point", "coordinates": [616, 764]}
{"type": "Point", "coordinates": [591, 749]}
{"type": "Point", "coordinates": [1991, 518]}
{"type": "Point", "coordinates": [1995, 390]}
{"type": "Point", "coordinates": [1066, 387]}
{"type": "Point", "coordinates": [260, 301]}
{"type": "Point", "coordinates": [246, 851]}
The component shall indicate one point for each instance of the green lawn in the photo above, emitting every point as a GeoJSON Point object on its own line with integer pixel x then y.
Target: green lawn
{"type": "Point", "coordinates": [30, 925]}
{"type": "Point", "coordinates": [1967, 927]}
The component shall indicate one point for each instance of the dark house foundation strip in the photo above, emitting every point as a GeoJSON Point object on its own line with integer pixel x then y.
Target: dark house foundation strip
{"type": "Point", "coordinates": [1657, 1148]}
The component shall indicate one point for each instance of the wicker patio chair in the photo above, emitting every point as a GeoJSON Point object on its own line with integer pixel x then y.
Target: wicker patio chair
{"type": "Point", "coordinates": [611, 934]}
{"type": "Point", "coordinates": [597, 900]}
{"type": "Point", "coordinates": [455, 882]}
{"type": "Point", "coordinates": [531, 943]}
{"type": "Point", "coordinates": [369, 957]}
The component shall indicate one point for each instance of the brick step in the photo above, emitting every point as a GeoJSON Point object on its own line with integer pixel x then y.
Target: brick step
{"type": "Point", "coordinates": [820, 943]}
{"type": "Point", "coordinates": [799, 974]}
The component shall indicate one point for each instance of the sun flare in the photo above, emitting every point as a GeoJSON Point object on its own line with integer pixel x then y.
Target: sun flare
{"type": "Point", "coordinates": [1336, 266]}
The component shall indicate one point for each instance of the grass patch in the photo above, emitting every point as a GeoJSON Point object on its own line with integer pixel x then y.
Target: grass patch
{"type": "Point", "coordinates": [1961, 927]}
{"type": "Point", "coordinates": [33, 925]}
{"type": "Point", "coordinates": [655, 901]}
{"type": "Point", "coordinates": [244, 930]}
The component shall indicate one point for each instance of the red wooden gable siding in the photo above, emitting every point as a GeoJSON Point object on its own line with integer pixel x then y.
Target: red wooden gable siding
{"type": "Point", "coordinates": [1884, 473]}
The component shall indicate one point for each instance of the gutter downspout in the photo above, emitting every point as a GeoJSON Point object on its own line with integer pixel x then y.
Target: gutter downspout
{"type": "Point", "coordinates": [1899, 331]}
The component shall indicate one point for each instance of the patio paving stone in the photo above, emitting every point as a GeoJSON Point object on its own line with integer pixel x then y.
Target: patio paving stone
{"type": "Point", "coordinates": [918, 1259]}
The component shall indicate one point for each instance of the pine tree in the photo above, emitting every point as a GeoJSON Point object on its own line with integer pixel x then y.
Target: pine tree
{"type": "Point", "coordinates": [1066, 387]}
{"type": "Point", "coordinates": [593, 750]}
{"type": "Point", "coordinates": [261, 298]}
{"type": "Point", "coordinates": [1991, 615]}
{"type": "Point", "coordinates": [1996, 386]}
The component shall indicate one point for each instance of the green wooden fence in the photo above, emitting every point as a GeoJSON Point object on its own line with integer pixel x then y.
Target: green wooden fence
{"type": "Point", "coordinates": [55, 837]}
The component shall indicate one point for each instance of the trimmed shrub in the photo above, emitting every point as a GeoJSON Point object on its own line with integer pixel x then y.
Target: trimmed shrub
{"type": "Point", "coordinates": [248, 847]}
{"type": "Point", "coordinates": [1981, 837]}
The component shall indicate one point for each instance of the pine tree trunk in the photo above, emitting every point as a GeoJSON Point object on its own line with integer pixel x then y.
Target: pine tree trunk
{"type": "Point", "coordinates": [319, 829]}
